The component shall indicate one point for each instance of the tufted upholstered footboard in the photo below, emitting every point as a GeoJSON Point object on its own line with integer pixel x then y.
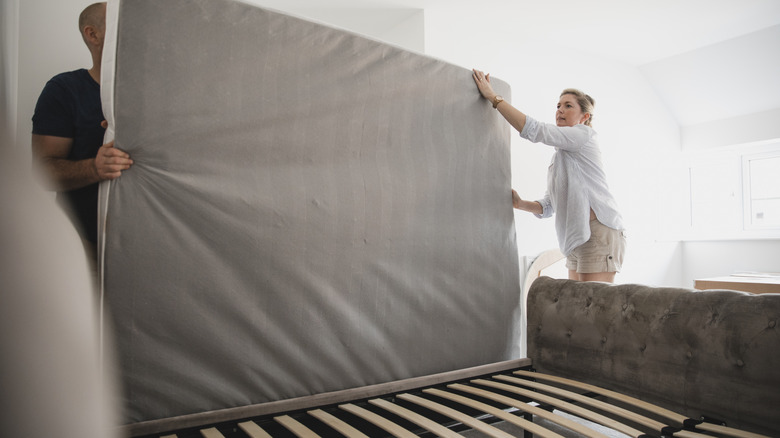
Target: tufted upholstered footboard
{"type": "Point", "coordinates": [712, 354]}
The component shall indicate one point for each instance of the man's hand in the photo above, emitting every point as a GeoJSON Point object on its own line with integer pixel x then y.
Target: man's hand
{"type": "Point", "coordinates": [65, 174]}
{"type": "Point", "coordinates": [110, 162]}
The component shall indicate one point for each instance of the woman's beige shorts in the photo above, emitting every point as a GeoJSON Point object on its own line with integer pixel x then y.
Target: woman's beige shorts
{"type": "Point", "coordinates": [603, 252]}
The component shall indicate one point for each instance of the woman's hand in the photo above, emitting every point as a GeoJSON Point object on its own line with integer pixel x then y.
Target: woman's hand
{"type": "Point", "coordinates": [529, 206]}
{"type": "Point", "coordinates": [516, 200]}
{"type": "Point", "coordinates": [483, 84]}
{"type": "Point", "coordinates": [515, 117]}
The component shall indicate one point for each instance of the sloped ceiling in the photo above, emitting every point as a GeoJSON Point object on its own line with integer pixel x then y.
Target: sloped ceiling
{"type": "Point", "coordinates": [708, 59]}
{"type": "Point", "coordinates": [736, 77]}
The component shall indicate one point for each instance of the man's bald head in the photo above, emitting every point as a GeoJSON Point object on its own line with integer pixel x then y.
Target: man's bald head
{"type": "Point", "coordinates": [93, 15]}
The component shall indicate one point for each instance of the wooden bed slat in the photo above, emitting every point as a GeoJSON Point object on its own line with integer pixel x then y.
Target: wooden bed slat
{"type": "Point", "coordinates": [728, 431]}
{"type": "Point", "coordinates": [671, 415]}
{"type": "Point", "coordinates": [415, 418]}
{"type": "Point", "coordinates": [378, 420]}
{"type": "Point", "coordinates": [589, 401]}
{"type": "Point", "coordinates": [563, 405]}
{"type": "Point", "coordinates": [498, 413]}
{"type": "Point", "coordinates": [533, 410]}
{"type": "Point", "coordinates": [456, 415]}
{"type": "Point", "coordinates": [295, 427]}
{"type": "Point", "coordinates": [663, 412]}
{"type": "Point", "coordinates": [253, 430]}
{"type": "Point", "coordinates": [338, 424]}
{"type": "Point", "coordinates": [211, 432]}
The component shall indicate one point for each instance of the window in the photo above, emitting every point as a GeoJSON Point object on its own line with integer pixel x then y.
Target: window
{"type": "Point", "coordinates": [761, 188]}
{"type": "Point", "coordinates": [735, 192]}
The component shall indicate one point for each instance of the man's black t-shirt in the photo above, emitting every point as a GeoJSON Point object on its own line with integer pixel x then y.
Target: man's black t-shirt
{"type": "Point", "coordinates": [69, 106]}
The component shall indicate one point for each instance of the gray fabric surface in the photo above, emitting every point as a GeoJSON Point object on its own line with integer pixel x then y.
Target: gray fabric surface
{"type": "Point", "coordinates": [309, 210]}
{"type": "Point", "coordinates": [698, 353]}
{"type": "Point", "coordinates": [51, 384]}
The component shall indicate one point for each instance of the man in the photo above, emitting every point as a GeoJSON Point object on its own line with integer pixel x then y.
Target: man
{"type": "Point", "coordinates": [68, 130]}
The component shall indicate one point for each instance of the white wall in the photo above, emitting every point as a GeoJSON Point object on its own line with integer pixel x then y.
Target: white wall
{"type": "Point", "coordinates": [711, 258]}
{"type": "Point", "coordinates": [638, 136]}
{"type": "Point", "coordinates": [734, 131]}
{"type": "Point", "coordinates": [49, 43]}
{"type": "Point", "coordinates": [9, 12]}
{"type": "Point", "coordinates": [703, 259]}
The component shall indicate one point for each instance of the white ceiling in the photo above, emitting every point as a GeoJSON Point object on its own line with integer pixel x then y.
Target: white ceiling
{"type": "Point", "coordinates": [708, 59]}
{"type": "Point", "coordinates": [736, 77]}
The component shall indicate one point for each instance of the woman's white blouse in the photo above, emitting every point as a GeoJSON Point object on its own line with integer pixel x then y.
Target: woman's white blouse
{"type": "Point", "coordinates": [576, 182]}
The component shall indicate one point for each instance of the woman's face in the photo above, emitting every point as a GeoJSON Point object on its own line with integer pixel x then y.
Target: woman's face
{"type": "Point", "coordinates": [569, 112]}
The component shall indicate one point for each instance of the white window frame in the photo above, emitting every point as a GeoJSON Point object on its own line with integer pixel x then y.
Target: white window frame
{"type": "Point", "coordinates": [747, 197]}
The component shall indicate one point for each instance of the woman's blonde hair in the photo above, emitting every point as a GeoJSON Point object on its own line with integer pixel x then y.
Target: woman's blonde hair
{"type": "Point", "coordinates": [586, 102]}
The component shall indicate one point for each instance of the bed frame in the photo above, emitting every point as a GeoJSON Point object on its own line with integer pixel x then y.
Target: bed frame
{"type": "Point", "coordinates": [506, 399]}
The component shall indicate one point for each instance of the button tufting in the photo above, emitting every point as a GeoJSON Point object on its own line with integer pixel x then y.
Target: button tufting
{"type": "Point", "coordinates": [642, 347]}
{"type": "Point", "coordinates": [625, 306]}
{"type": "Point", "coordinates": [740, 363]}
{"type": "Point", "coordinates": [568, 333]}
{"type": "Point", "coordinates": [772, 324]}
{"type": "Point", "coordinates": [689, 354]}
{"type": "Point", "coordinates": [604, 340]}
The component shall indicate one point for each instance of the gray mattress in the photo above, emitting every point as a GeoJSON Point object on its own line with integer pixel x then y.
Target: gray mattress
{"type": "Point", "coordinates": [309, 210]}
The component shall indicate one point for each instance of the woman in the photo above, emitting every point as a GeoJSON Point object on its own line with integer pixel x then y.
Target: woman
{"type": "Point", "coordinates": [589, 227]}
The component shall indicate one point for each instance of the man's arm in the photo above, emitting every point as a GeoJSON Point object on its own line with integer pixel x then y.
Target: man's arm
{"type": "Point", "coordinates": [64, 174]}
